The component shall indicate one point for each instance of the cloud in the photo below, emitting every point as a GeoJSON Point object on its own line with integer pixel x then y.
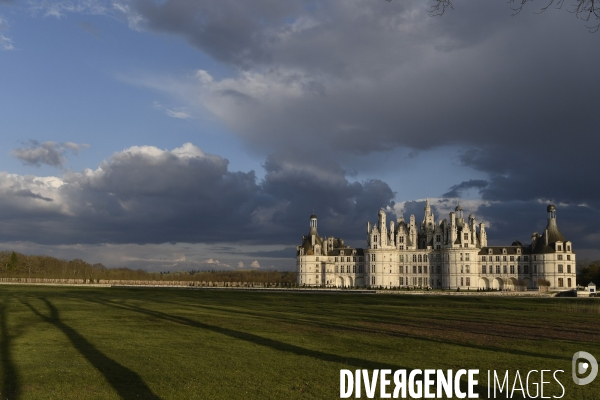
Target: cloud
{"type": "Point", "coordinates": [48, 153]}
{"type": "Point", "coordinates": [255, 264]}
{"type": "Point", "coordinates": [147, 195]}
{"type": "Point", "coordinates": [174, 113]}
{"type": "Point", "coordinates": [240, 265]}
{"type": "Point", "coordinates": [456, 190]}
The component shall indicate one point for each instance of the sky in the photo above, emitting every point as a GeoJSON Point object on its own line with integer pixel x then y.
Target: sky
{"type": "Point", "coordinates": [178, 134]}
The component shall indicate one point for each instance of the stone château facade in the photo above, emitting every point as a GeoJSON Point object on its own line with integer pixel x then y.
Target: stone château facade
{"type": "Point", "coordinates": [450, 254]}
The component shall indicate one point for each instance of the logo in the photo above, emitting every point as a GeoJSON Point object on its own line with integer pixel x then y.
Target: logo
{"type": "Point", "coordinates": [581, 367]}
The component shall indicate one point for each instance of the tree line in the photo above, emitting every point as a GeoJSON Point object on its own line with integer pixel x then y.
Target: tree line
{"type": "Point", "coordinates": [17, 265]}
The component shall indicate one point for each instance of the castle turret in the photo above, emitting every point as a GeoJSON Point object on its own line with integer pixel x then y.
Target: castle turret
{"type": "Point", "coordinates": [313, 225]}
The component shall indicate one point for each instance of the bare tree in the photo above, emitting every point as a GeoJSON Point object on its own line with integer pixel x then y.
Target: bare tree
{"type": "Point", "coordinates": [585, 10]}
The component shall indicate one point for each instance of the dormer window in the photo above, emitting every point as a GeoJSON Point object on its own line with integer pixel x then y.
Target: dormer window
{"type": "Point", "coordinates": [503, 251]}
{"type": "Point", "coordinates": [490, 251]}
{"type": "Point", "coordinates": [558, 247]}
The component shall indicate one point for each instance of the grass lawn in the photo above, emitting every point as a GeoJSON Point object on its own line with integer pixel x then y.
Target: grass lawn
{"type": "Point", "coordinates": [110, 343]}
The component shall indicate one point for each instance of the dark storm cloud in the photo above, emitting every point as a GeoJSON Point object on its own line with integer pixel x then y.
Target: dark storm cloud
{"type": "Point", "coordinates": [147, 195]}
{"type": "Point", "coordinates": [457, 190]}
{"type": "Point", "coordinates": [230, 31]}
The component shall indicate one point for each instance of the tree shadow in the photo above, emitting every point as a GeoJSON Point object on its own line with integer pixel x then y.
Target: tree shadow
{"type": "Point", "coordinates": [10, 377]}
{"type": "Point", "coordinates": [375, 330]}
{"type": "Point", "coordinates": [280, 346]}
{"type": "Point", "coordinates": [127, 383]}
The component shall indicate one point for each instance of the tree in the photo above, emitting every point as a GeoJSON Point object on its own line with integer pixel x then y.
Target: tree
{"type": "Point", "coordinates": [589, 273]}
{"type": "Point", "coordinates": [585, 10]}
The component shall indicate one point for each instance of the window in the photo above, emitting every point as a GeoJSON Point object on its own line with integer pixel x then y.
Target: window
{"type": "Point", "coordinates": [568, 257]}
{"type": "Point", "coordinates": [401, 239]}
{"type": "Point", "coordinates": [461, 256]}
{"type": "Point", "coordinates": [467, 257]}
{"type": "Point", "coordinates": [373, 280]}
{"type": "Point", "coordinates": [414, 269]}
{"type": "Point", "coordinates": [425, 269]}
{"type": "Point", "coordinates": [360, 269]}
{"type": "Point", "coordinates": [462, 281]}
{"type": "Point", "coordinates": [526, 258]}
{"type": "Point", "coordinates": [420, 259]}
{"type": "Point", "coordinates": [360, 259]}
{"type": "Point", "coordinates": [401, 269]}
{"type": "Point", "coordinates": [535, 268]}
{"type": "Point", "coordinates": [336, 269]}
{"type": "Point", "coordinates": [401, 258]}
{"type": "Point", "coordinates": [503, 258]}
{"type": "Point", "coordinates": [497, 258]}
{"type": "Point", "coordinates": [569, 282]}
{"type": "Point", "coordinates": [561, 282]}
{"type": "Point", "coordinates": [512, 269]}
{"type": "Point", "coordinates": [347, 259]}
{"type": "Point", "coordinates": [420, 269]}
{"type": "Point", "coordinates": [490, 251]}
{"type": "Point", "coordinates": [335, 259]}
{"type": "Point", "coordinates": [438, 269]}
{"type": "Point", "coordinates": [414, 258]}
{"type": "Point", "coordinates": [354, 269]}
{"type": "Point", "coordinates": [375, 238]}
{"type": "Point", "coordinates": [560, 268]}
{"type": "Point", "coordinates": [534, 258]}
{"type": "Point", "coordinates": [425, 258]}
{"type": "Point", "coordinates": [560, 257]}
{"type": "Point", "coordinates": [559, 247]}
{"type": "Point", "coordinates": [512, 258]}
{"type": "Point", "coordinates": [438, 247]}
{"type": "Point", "coordinates": [568, 269]}
{"type": "Point", "coordinates": [568, 248]}
{"type": "Point", "coordinates": [374, 246]}
{"type": "Point", "coordinates": [483, 269]}
{"type": "Point", "coordinates": [354, 259]}
{"type": "Point", "coordinates": [372, 268]}
{"type": "Point", "coordinates": [462, 269]}
{"type": "Point", "coordinates": [438, 238]}
{"type": "Point", "coordinates": [466, 245]}
{"type": "Point", "coordinates": [466, 236]}
{"type": "Point", "coordinates": [468, 281]}
{"type": "Point", "coordinates": [497, 269]}
{"type": "Point", "coordinates": [483, 258]}
{"type": "Point", "coordinates": [401, 281]}
{"type": "Point", "coordinates": [372, 257]}
{"type": "Point", "coordinates": [420, 281]}
{"type": "Point", "coordinates": [504, 269]}
{"type": "Point", "coordinates": [526, 269]}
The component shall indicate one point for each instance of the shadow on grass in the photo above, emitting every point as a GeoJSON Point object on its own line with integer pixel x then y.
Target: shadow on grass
{"type": "Point", "coordinates": [10, 375]}
{"type": "Point", "coordinates": [277, 345]}
{"type": "Point", "coordinates": [374, 330]}
{"type": "Point", "coordinates": [127, 383]}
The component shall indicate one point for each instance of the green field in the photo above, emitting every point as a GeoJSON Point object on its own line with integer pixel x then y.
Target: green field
{"type": "Point", "coordinates": [109, 343]}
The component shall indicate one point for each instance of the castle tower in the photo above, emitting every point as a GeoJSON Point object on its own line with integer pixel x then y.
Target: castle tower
{"type": "Point", "coordinates": [313, 225]}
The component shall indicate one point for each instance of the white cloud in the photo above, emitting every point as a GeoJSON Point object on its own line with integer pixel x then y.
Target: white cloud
{"type": "Point", "coordinates": [240, 265]}
{"type": "Point", "coordinates": [6, 43]}
{"type": "Point", "coordinates": [178, 114]}
{"type": "Point", "coordinates": [255, 264]}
